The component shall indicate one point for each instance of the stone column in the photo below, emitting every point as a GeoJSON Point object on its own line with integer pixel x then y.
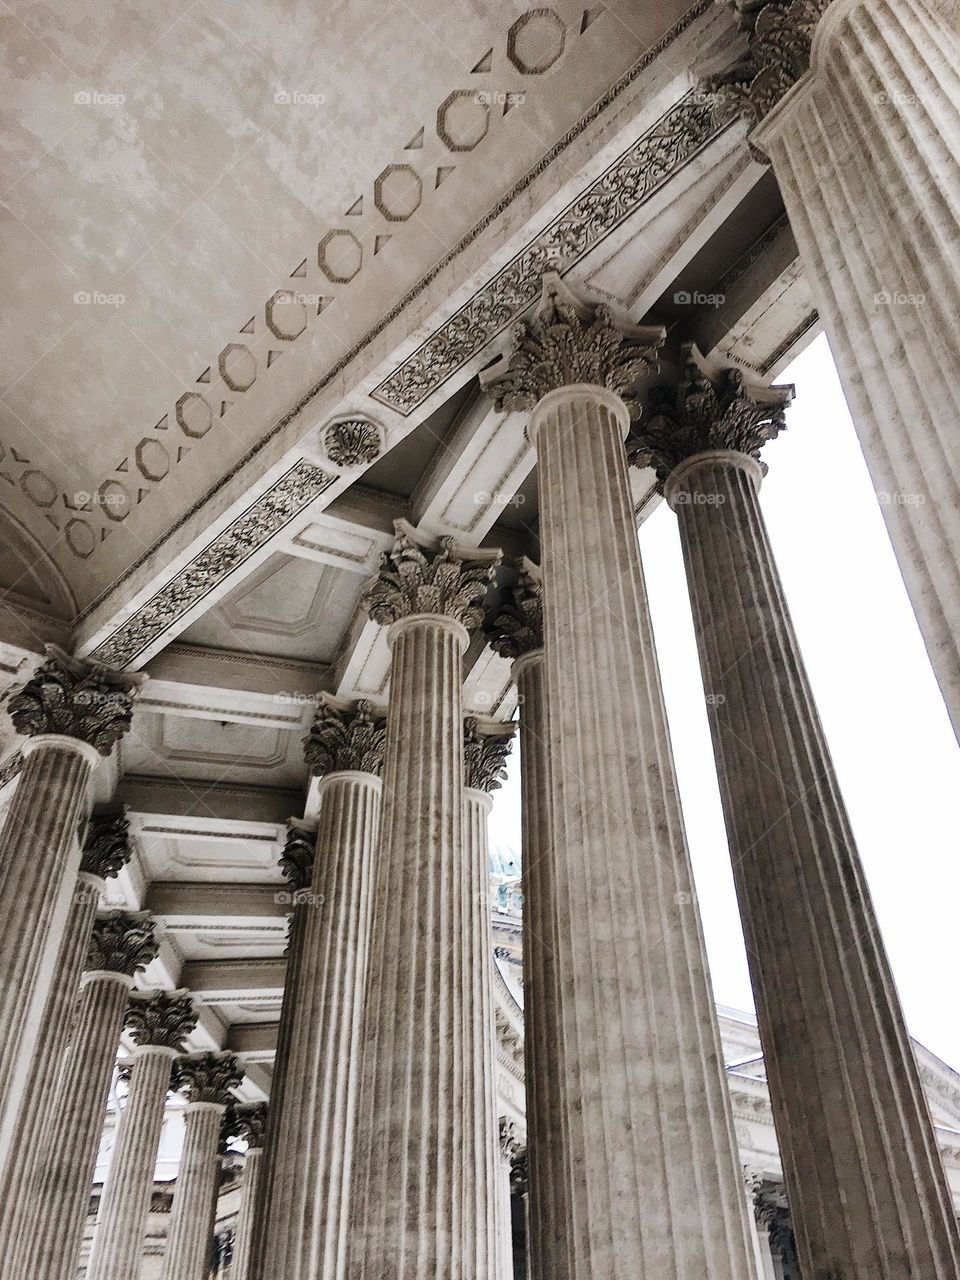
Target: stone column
{"type": "Point", "coordinates": [511, 1146]}
{"type": "Point", "coordinates": [205, 1080]}
{"type": "Point", "coordinates": [122, 944]}
{"type": "Point", "coordinates": [866, 1188]}
{"type": "Point", "coordinates": [424, 1193]}
{"type": "Point", "coordinates": [251, 1125]}
{"type": "Point", "coordinates": [159, 1024]}
{"type": "Point", "coordinates": [106, 849]}
{"type": "Point", "coordinates": [308, 1210]}
{"type": "Point", "coordinates": [865, 147]}
{"type": "Point", "coordinates": [517, 633]}
{"type": "Point", "coordinates": [72, 713]}
{"type": "Point", "coordinates": [486, 745]}
{"type": "Point", "coordinates": [296, 864]}
{"type": "Point", "coordinates": [646, 1138]}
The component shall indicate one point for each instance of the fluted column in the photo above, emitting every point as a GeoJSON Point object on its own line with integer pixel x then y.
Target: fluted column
{"type": "Point", "coordinates": [121, 945]}
{"type": "Point", "coordinates": [72, 713]}
{"type": "Point", "coordinates": [309, 1199]}
{"type": "Point", "coordinates": [205, 1080]}
{"type": "Point", "coordinates": [486, 745]}
{"type": "Point", "coordinates": [865, 148]}
{"type": "Point", "coordinates": [867, 1192]}
{"type": "Point", "coordinates": [158, 1024]}
{"type": "Point", "coordinates": [106, 849]}
{"type": "Point", "coordinates": [424, 1194]}
{"type": "Point", "coordinates": [251, 1125]}
{"type": "Point", "coordinates": [296, 863]}
{"type": "Point", "coordinates": [517, 633]}
{"type": "Point", "coordinates": [653, 1189]}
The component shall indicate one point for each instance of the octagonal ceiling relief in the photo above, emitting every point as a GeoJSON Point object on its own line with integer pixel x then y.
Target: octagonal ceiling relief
{"type": "Point", "coordinates": [212, 857]}
{"type": "Point", "coordinates": [128, 250]}
{"type": "Point", "coordinates": [190, 747]}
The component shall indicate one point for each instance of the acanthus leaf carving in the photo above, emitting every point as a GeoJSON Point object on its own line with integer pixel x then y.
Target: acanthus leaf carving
{"type": "Point", "coordinates": [345, 737]}
{"type": "Point", "coordinates": [122, 942]}
{"type": "Point", "coordinates": [163, 1018]}
{"type": "Point", "coordinates": [106, 848]}
{"type": "Point", "coordinates": [207, 1077]}
{"type": "Point", "coordinates": [517, 628]}
{"type": "Point", "coordinates": [486, 745]}
{"type": "Point", "coordinates": [296, 861]}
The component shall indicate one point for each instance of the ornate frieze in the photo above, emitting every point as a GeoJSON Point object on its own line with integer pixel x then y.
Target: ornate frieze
{"type": "Point", "coordinates": [207, 1077]}
{"type": "Point", "coordinates": [163, 1018]}
{"type": "Point", "coordinates": [518, 626]}
{"type": "Point", "coordinates": [486, 745]}
{"type": "Point", "coordinates": [77, 698]}
{"type": "Point", "coordinates": [418, 577]}
{"type": "Point", "coordinates": [571, 340]}
{"type": "Point", "coordinates": [706, 412]}
{"type": "Point", "coordinates": [345, 737]}
{"type": "Point", "coordinates": [122, 942]}
{"type": "Point", "coordinates": [779, 37]}
{"type": "Point", "coordinates": [251, 1118]}
{"type": "Point", "coordinates": [353, 442]}
{"type": "Point", "coordinates": [106, 848]}
{"type": "Point", "coordinates": [296, 861]}
{"type": "Point", "coordinates": [647, 166]}
{"type": "Point", "coordinates": [262, 520]}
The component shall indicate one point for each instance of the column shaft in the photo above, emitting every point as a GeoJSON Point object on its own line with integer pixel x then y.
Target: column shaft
{"type": "Point", "coordinates": [646, 1134]}
{"type": "Point", "coordinates": [865, 151]}
{"type": "Point", "coordinates": [64, 1179]}
{"type": "Point", "coordinates": [39, 1101]}
{"type": "Point", "coordinates": [867, 1191]}
{"type": "Point", "coordinates": [187, 1255]}
{"type": "Point", "coordinates": [244, 1238]}
{"type": "Point", "coordinates": [542, 1054]}
{"type": "Point", "coordinates": [307, 1213]}
{"type": "Point", "coordinates": [424, 1188]}
{"type": "Point", "coordinates": [39, 858]}
{"type": "Point", "coordinates": [117, 1247]}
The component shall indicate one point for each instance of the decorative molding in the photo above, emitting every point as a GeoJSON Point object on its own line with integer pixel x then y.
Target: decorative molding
{"type": "Point", "coordinates": [677, 137]}
{"type": "Point", "coordinates": [122, 942]}
{"type": "Point", "coordinates": [518, 627]}
{"type": "Point", "coordinates": [345, 737]}
{"type": "Point", "coordinates": [420, 576]}
{"type": "Point", "coordinates": [76, 697]}
{"type": "Point", "coordinates": [107, 848]}
{"type": "Point", "coordinates": [162, 1018]}
{"type": "Point", "coordinates": [207, 1077]}
{"type": "Point", "coordinates": [352, 442]}
{"type": "Point", "coordinates": [262, 520]}
{"type": "Point", "coordinates": [706, 411]}
{"type": "Point", "coordinates": [486, 745]}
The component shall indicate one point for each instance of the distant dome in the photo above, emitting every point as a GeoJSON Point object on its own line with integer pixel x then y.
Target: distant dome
{"type": "Point", "coordinates": [504, 860]}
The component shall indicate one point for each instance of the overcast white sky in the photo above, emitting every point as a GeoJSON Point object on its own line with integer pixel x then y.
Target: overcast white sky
{"type": "Point", "coordinates": [897, 760]}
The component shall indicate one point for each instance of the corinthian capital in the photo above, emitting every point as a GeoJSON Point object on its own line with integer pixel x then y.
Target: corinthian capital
{"type": "Point", "coordinates": [571, 340]}
{"type": "Point", "coordinates": [486, 745]}
{"type": "Point", "coordinates": [207, 1077]}
{"type": "Point", "coordinates": [345, 737]}
{"type": "Point", "coordinates": [708, 410]}
{"type": "Point", "coordinates": [296, 861]}
{"type": "Point", "coordinates": [421, 576]}
{"type": "Point", "coordinates": [251, 1121]}
{"type": "Point", "coordinates": [162, 1018]}
{"type": "Point", "coordinates": [779, 38]}
{"type": "Point", "coordinates": [122, 942]}
{"type": "Point", "coordinates": [80, 699]}
{"type": "Point", "coordinates": [518, 627]}
{"type": "Point", "coordinates": [106, 849]}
